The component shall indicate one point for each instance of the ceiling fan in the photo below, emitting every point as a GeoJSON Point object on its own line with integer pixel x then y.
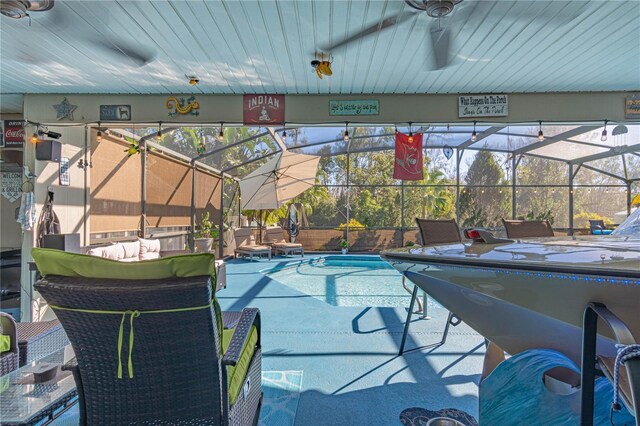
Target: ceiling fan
{"type": "Point", "coordinates": [442, 19]}
{"type": "Point", "coordinates": [56, 20]}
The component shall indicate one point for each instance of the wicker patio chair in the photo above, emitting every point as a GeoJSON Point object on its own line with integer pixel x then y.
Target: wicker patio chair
{"type": "Point", "coordinates": [246, 244]}
{"type": "Point", "coordinates": [9, 358]}
{"type": "Point", "coordinates": [527, 228]}
{"type": "Point", "coordinates": [438, 231]}
{"type": "Point", "coordinates": [275, 235]}
{"type": "Point", "coordinates": [174, 372]}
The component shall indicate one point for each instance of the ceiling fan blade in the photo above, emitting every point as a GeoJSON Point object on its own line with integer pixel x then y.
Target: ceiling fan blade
{"type": "Point", "coordinates": [440, 41]}
{"type": "Point", "coordinates": [138, 54]}
{"type": "Point", "coordinates": [380, 26]}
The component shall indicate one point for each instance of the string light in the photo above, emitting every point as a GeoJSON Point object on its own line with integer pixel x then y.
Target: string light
{"type": "Point", "coordinates": [284, 132]}
{"type": "Point", "coordinates": [410, 139]}
{"type": "Point", "coordinates": [159, 133]}
{"type": "Point", "coordinates": [34, 137]}
{"type": "Point", "coordinates": [474, 135]}
{"type": "Point", "coordinates": [99, 134]}
{"type": "Point", "coordinates": [221, 133]}
{"type": "Point", "coordinates": [540, 133]}
{"type": "Point", "coordinates": [346, 136]}
{"type": "Point", "coordinates": [603, 138]}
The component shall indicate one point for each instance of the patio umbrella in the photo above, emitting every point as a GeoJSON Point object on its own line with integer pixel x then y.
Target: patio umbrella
{"type": "Point", "coordinates": [280, 179]}
{"type": "Point", "coordinates": [277, 181]}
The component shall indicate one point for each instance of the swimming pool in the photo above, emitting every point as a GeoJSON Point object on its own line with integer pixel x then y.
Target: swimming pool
{"type": "Point", "coordinates": [346, 281]}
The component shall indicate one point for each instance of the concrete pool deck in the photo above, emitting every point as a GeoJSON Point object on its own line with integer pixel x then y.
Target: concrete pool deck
{"type": "Point", "coordinates": [351, 372]}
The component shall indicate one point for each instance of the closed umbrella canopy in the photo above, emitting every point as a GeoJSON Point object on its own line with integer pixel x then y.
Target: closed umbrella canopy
{"type": "Point", "coordinates": [280, 179]}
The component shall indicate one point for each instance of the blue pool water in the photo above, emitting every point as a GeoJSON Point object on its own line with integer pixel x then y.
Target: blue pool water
{"type": "Point", "coordinates": [346, 281]}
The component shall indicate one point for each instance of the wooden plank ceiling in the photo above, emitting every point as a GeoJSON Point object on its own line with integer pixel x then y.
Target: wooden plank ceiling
{"type": "Point", "coordinates": [236, 47]}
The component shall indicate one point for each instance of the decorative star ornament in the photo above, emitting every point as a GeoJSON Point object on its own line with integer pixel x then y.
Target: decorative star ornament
{"type": "Point", "coordinates": [64, 110]}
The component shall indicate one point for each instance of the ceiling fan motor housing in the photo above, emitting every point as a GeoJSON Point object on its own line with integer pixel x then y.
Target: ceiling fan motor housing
{"type": "Point", "coordinates": [17, 9]}
{"type": "Point", "coordinates": [439, 8]}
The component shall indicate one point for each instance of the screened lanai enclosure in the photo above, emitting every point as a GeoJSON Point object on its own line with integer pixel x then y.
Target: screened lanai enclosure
{"type": "Point", "coordinates": [477, 173]}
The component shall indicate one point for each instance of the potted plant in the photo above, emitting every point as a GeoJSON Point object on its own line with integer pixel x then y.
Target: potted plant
{"type": "Point", "coordinates": [344, 246]}
{"type": "Point", "coordinates": [204, 236]}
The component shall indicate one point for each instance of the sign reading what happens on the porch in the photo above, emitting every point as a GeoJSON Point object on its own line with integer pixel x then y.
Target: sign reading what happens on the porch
{"type": "Point", "coordinates": [368, 107]}
{"type": "Point", "coordinates": [483, 106]}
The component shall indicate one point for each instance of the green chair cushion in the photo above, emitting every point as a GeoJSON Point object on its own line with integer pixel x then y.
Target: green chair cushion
{"type": "Point", "coordinates": [236, 374]}
{"type": "Point", "coordinates": [57, 262]}
{"type": "Point", "coordinates": [5, 343]}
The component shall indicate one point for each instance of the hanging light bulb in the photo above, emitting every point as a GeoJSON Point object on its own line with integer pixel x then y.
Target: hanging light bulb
{"type": "Point", "coordinates": [221, 133]}
{"type": "Point", "coordinates": [346, 132]}
{"type": "Point", "coordinates": [284, 132]}
{"type": "Point", "coordinates": [540, 134]}
{"type": "Point", "coordinates": [410, 139]}
{"type": "Point", "coordinates": [159, 133]}
{"type": "Point", "coordinates": [474, 135]}
{"type": "Point", "coordinates": [603, 138]}
{"type": "Point", "coordinates": [99, 134]}
{"type": "Point", "coordinates": [34, 137]}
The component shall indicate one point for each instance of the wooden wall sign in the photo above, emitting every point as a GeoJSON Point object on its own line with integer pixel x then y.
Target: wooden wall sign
{"type": "Point", "coordinates": [483, 106]}
{"type": "Point", "coordinates": [368, 107]}
{"type": "Point", "coordinates": [263, 109]}
{"type": "Point", "coordinates": [115, 112]}
{"type": "Point", "coordinates": [632, 106]}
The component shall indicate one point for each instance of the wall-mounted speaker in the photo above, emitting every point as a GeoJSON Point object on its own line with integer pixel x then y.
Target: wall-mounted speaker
{"type": "Point", "coordinates": [64, 242]}
{"type": "Point", "coordinates": [48, 150]}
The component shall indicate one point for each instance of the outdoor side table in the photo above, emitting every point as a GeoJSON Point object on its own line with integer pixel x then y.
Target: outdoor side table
{"type": "Point", "coordinates": [23, 402]}
{"type": "Point", "coordinates": [38, 339]}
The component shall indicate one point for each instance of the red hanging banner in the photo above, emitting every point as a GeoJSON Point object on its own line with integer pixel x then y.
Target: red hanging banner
{"type": "Point", "coordinates": [408, 160]}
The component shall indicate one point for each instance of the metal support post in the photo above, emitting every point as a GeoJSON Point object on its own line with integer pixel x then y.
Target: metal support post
{"type": "Point", "coordinates": [192, 247]}
{"type": "Point", "coordinates": [571, 176]}
{"type": "Point", "coordinates": [221, 226]}
{"type": "Point", "coordinates": [514, 165]}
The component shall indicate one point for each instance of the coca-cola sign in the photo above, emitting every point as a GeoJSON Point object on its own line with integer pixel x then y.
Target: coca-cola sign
{"type": "Point", "coordinates": [13, 134]}
{"type": "Point", "coordinates": [263, 109]}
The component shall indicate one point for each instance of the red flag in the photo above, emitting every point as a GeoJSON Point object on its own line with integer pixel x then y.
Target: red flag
{"type": "Point", "coordinates": [408, 160]}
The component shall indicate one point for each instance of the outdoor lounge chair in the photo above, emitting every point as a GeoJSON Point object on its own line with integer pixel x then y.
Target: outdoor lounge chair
{"type": "Point", "coordinates": [246, 244]}
{"type": "Point", "coordinates": [527, 228]}
{"type": "Point", "coordinates": [275, 236]}
{"type": "Point", "coordinates": [438, 231]}
{"type": "Point", "coordinates": [433, 231]}
{"type": "Point", "coordinates": [9, 345]}
{"type": "Point", "coordinates": [178, 369]}
{"type": "Point", "coordinates": [598, 227]}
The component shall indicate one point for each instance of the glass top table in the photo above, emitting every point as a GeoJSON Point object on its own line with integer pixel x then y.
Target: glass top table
{"type": "Point", "coordinates": [23, 402]}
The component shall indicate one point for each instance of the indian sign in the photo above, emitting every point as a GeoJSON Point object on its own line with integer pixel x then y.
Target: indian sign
{"type": "Point", "coordinates": [263, 109]}
{"type": "Point", "coordinates": [13, 134]}
{"type": "Point", "coordinates": [369, 107]}
{"type": "Point", "coordinates": [483, 106]}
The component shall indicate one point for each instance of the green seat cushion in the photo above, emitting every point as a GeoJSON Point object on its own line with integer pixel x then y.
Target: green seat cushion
{"type": "Point", "coordinates": [236, 374]}
{"type": "Point", "coordinates": [5, 343]}
{"type": "Point", "coordinates": [57, 262]}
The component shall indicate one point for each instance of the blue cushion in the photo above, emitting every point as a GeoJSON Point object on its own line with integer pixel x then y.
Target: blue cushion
{"type": "Point", "coordinates": [601, 231]}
